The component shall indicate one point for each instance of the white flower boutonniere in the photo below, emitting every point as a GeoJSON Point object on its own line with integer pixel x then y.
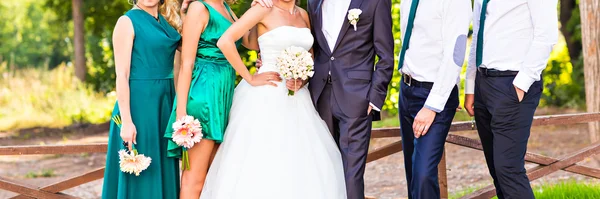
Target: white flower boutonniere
{"type": "Point", "coordinates": [354, 16]}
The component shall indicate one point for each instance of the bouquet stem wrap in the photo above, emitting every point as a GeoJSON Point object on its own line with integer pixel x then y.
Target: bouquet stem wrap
{"type": "Point", "coordinates": [185, 159]}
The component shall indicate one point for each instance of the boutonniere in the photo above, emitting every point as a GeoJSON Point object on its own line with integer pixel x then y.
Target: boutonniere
{"type": "Point", "coordinates": [354, 16]}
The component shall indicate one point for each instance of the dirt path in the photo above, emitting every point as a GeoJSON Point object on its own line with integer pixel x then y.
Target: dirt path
{"type": "Point", "coordinates": [384, 178]}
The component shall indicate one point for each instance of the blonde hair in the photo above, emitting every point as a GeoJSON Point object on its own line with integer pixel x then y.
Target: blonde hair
{"type": "Point", "coordinates": [170, 10]}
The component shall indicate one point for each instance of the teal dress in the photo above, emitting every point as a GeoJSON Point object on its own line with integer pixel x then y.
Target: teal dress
{"type": "Point", "coordinates": [151, 98]}
{"type": "Point", "coordinates": [213, 82]}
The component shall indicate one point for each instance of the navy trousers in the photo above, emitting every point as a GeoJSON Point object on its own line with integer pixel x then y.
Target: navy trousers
{"type": "Point", "coordinates": [504, 125]}
{"type": "Point", "coordinates": [352, 136]}
{"type": "Point", "coordinates": [422, 155]}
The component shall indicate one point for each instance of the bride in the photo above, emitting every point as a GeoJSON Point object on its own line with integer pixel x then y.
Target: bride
{"type": "Point", "coordinates": [275, 146]}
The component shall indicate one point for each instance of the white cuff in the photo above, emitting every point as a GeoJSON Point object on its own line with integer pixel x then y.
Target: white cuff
{"type": "Point", "coordinates": [522, 81]}
{"type": "Point", "coordinates": [374, 107]}
{"type": "Point", "coordinates": [470, 86]}
{"type": "Point", "coordinates": [435, 102]}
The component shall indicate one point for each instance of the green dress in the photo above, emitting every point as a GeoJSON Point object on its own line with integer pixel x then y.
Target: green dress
{"type": "Point", "coordinates": [213, 82]}
{"type": "Point", "coordinates": [151, 98]}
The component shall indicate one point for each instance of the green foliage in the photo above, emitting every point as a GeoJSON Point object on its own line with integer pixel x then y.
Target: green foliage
{"type": "Point", "coordinates": [30, 39]}
{"type": "Point", "coordinates": [49, 98]}
{"type": "Point", "coordinates": [563, 82]}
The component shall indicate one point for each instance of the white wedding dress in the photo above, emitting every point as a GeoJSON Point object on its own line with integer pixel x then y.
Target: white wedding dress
{"type": "Point", "coordinates": [276, 146]}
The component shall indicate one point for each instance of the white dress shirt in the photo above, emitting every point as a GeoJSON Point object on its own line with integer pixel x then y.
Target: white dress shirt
{"type": "Point", "coordinates": [518, 36]}
{"type": "Point", "coordinates": [437, 46]}
{"type": "Point", "coordinates": [334, 14]}
{"type": "Point", "coordinates": [334, 17]}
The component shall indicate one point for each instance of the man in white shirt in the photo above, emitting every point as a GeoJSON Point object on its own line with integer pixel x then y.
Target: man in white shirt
{"type": "Point", "coordinates": [511, 45]}
{"type": "Point", "coordinates": [432, 56]}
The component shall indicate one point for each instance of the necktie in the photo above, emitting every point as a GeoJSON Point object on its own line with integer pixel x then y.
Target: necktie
{"type": "Point", "coordinates": [479, 55]}
{"type": "Point", "coordinates": [409, 27]}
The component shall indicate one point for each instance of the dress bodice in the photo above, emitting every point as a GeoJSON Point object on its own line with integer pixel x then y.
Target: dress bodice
{"type": "Point", "coordinates": [154, 46]}
{"type": "Point", "coordinates": [217, 25]}
{"type": "Point", "coordinates": [273, 42]}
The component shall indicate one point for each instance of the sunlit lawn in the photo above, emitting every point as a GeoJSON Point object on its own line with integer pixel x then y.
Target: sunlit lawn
{"type": "Point", "coordinates": [42, 98]}
{"type": "Point", "coordinates": [563, 190]}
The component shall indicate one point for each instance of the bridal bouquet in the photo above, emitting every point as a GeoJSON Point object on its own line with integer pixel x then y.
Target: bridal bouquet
{"type": "Point", "coordinates": [131, 162]}
{"type": "Point", "coordinates": [186, 132]}
{"type": "Point", "coordinates": [295, 63]}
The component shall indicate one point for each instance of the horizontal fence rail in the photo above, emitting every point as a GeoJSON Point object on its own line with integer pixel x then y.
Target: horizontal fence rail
{"type": "Point", "coordinates": [546, 165]}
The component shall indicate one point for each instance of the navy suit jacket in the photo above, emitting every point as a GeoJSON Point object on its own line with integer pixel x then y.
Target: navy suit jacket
{"type": "Point", "coordinates": [356, 79]}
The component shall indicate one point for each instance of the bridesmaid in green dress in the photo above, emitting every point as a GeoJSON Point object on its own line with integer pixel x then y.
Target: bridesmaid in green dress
{"type": "Point", "coordinates": [205, 86]}
{"type": "Point", "coordinates": [144, 48]}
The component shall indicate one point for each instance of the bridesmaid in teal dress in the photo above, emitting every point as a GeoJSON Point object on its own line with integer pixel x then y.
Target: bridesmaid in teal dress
{"type": "Point", "coordinates": [205, 86]}
{"type": "Point", "coordinates": [144, 46]}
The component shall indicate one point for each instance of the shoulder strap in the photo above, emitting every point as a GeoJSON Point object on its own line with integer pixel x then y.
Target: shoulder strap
{"type": "Point", "coordinates": [229, 11]}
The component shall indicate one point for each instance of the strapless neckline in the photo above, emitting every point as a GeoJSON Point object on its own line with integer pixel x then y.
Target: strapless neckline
{"type": "Point", "coordinates": [281, 27]}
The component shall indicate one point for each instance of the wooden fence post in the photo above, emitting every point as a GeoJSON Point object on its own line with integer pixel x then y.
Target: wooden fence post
{"type": "Point", "coordinates": [443, 177]}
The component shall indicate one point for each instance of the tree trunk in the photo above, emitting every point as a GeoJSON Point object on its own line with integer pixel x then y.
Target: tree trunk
{"type": "Point", "coordinates": [79, 41]}
{"type": "Point", "coordinates": [573, 45]}
{"type": "Point", "coordinates": [590, 32]}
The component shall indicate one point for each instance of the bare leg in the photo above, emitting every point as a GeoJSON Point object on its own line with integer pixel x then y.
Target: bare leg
{"type": "Point", "coordinates": [192, 180]}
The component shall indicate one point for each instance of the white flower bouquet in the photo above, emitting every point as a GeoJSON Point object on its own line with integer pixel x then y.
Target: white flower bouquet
{"type": "Point", "coordinates": [130, 161]}
{"type": "Point", "coordinates": [295, 63]}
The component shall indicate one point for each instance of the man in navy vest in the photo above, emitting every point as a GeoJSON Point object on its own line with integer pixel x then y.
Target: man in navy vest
{"type": "Point", "coordinates": [432, 56]}
{"type": "Point", "coordinates": [511, 45]}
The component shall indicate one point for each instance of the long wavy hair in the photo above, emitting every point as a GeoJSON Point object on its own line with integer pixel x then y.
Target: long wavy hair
{"type": "Point", "coordinates": [170, 11]}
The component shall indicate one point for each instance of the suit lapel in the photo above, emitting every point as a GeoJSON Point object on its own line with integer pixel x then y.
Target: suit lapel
{"type": "Point", "coordinates": [346, 25]}
{"type": "Point", "coordinates": [318, 13]}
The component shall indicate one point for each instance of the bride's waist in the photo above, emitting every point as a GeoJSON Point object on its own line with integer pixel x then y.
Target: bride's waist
{"type": "Point", "coordinates": [268, 67]}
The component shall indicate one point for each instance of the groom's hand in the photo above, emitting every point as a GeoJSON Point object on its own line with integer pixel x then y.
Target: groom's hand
{"type": "Point", "coordinates": [263, 3]}
{"type": "Point", "coordinates": [369, 110]}
{"type": "Point", "coordinates": [423, 121]}
{"type": "Point", "coordinates": [258, 62]}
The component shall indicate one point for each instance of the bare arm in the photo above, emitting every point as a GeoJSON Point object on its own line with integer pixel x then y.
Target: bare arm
{"type": "Point", "coordinates": [123, 43]}
{"type": "Point", "coordinates": [176, 66]}
{"type": "Point", "coordinates": [227, 45]}
{"type": "Point", "coordinates": [193, 26]}
{"type": "Point", "coordinates": [250, 39]}
{"type": "Point", "coordinates": [123, 37]}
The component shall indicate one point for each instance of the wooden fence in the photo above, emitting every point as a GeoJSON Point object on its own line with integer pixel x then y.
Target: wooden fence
{"type": "Point", "coordinates": [546, 165]}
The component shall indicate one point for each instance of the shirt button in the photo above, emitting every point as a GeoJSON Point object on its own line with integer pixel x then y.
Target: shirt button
{"type": "Point", "coordinates": [332, 58]}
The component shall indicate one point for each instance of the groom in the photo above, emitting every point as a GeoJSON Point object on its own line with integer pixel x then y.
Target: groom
{"type": "Point", "coordinates": [348, 87]}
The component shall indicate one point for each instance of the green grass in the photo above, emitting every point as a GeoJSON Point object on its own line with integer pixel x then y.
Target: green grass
{"type": "Point", "coordinates": [48, 98]}
{"type": "Point", "coordinates": [392, 121]}
{"type": "Point", "coordinates": [46, 173]}
{"type": "Point", "coordinates": [563, 190]}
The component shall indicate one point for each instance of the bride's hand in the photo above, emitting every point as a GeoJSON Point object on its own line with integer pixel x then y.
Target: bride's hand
{"type": "Point", "coordinates": [266, 78]}
{"type": "Point", "coordinates": [294, 84]}
{"type": "Point", "coordinates": [263, 3]}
